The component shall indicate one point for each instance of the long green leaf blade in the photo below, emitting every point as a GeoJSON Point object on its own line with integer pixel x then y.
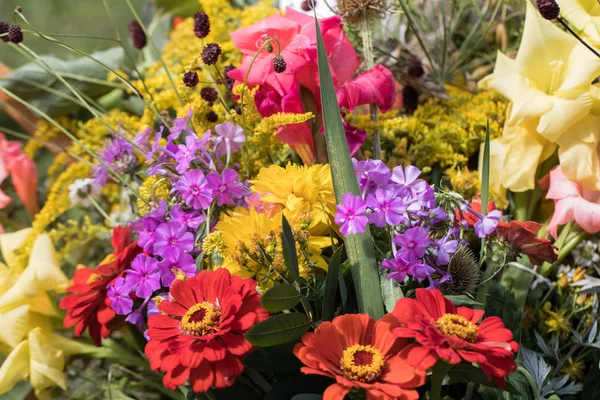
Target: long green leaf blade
{"type": "Point", "coordinates": [359, 247]}
{"type": "Point", "coordinates": [331, 285]}
{"type": "Point", "coordinates": [288, 245]}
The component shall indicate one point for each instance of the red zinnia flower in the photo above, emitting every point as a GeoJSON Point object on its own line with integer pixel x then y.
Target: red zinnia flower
{"type": "Point", "coordinates": [200, 333]}
{"type": "Point", "coordinates": [519, 237]}
{"type": "Point", "coordinates": [453, 334]}
{"type": "Point", "coordinates": [88, 306]}
{"type": "Point", "coordinates": [363, 354]}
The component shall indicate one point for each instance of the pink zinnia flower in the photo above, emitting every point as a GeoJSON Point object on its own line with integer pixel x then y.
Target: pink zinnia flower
{"type": "Point", "coordinates": [572, 203]}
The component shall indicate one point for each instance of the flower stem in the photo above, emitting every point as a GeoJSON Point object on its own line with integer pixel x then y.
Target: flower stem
{"type": "Point", "coordinates": [564, 249]}
{"type": "Point", "coordinates": [572, 32]}
{"type": "Point", "coordinates": [368, 54]}
{"type": "Point", "coordinates": [99, 208]}
{"type": "Point", "coordinates": [258, 379]}
{"type": "Point", "coordinates": [438, 373]}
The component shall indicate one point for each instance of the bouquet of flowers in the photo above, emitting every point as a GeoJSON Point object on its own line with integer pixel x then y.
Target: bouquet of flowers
{"type": "Point", "coordinates": [271, 207]}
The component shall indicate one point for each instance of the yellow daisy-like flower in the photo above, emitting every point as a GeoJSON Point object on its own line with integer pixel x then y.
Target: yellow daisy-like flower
{"type": "Point", "coordinates": [302, 193]}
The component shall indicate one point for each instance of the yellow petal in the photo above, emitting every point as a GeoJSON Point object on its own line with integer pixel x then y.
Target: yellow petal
{"type": "Point", "coordinates": [583, 15]}
{"type": "Point", "coordinates": [578, 153]}
{"type": "Point", "coordinates": [15, 325]}
{"type": "Point", "coordinates": [9, 242]}
{"type": "Point", "coordinates": [46, 362]}
{"type": "Point", "coordinates": [15, 367]}
{"type": "Point", "coordinates": [563, 115]}
{"type": "Point", "coordinates": [45, 263]}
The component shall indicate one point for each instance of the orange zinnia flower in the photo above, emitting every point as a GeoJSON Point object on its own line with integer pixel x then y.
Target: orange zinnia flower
{"type": "Point", "coordinates": [360, 354]}
{"type": "Point", "coordinates": [453, 334]}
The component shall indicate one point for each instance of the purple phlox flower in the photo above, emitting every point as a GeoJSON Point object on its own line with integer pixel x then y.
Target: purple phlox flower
{"type": "Point", "coordinates": [186, 153]}
{"type": "Point", "coordinates": [371, 174]}
{"type": "Point", "coordinates": [137, 317]}
{"type": "Point", "coordinates": [420, 271]}
{"type": "Point", "coordinates": [351, 214]}
{"type": "Point", "coordinates": [230, 138]}
{"type": "Point", "coordinates": [153, 309]}
{"type": "Point", "coordinates": [118, 155]}
{"type": "Point", "coordinates": [172, 239]}
{"type": "Point", "coordinates": [141, 139]}
{"type": "Point", "coordinates": [144, 275]}
{"type": "Point", "coordinates": [146, 233]}
{"type": "Point", "coordinates": [413, 243]}
{"type": "Point", "coordinates": [225, 186]}
{"type": "Point", "coordinates": [387, 209]}
{"type": "Point", "coordinates": [159, 210]}
{"type": "Point", "coordinates": [192, 219]}
{"type": "Point", "coordinates": [398, 268]}
{"type": "Point", "coordinates": [155, 144]}
{"type": "Point", "coordinates": [195, 190]}
{"type": "Point", "coordinates": [180, 125]}
{"type": "Point", "coordinates": [408, 183]}
{"type": "Point", "coordinates": [438, 215]}
{"type": "Point", "coordinates": [183, 262]}
{"type": "Point", "coordinates": [443, 249]}
{"type": "Point", "coordinates": [487, 224]}
{"type": "Point", "coordinates": [118, 293]}
{"type": "Point", "coordinates": [405, 177]}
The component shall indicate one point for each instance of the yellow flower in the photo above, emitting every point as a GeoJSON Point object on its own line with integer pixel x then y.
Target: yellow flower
{"type": "Point", "coordinates": [573, 368]}
{"type": "Point", "coordinates": [25, 311]}
{"type": "Point", "coordinates": [549, 85]}
{"type": "Point", "coordinates": [584, 15]}
{"type": "Point", "coordinates": [557, 322]}
{"type": "Point", "coordinates": [302, 193]}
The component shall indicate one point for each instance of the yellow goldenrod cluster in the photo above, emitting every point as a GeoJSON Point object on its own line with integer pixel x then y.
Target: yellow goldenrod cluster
{"type": "Point", "coordinates": [153, 188]}
{"type": "Point", "coordinates": [48, 133]}
{"type": "Point", "coordinates": [74, 237]}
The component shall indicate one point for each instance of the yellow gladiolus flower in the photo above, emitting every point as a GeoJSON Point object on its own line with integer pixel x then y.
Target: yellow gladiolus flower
{"type": "Point", "coordinates": [584, 15]}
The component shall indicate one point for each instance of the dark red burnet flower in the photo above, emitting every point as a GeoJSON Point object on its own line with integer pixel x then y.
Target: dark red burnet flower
{"type": "Point", "coordinates": [15, 35]}
{"type": "Point", "coordinates": [190, 79]}
{"type": "Point", "coordinates": [453, 334]}
{"type": "Point", "coordinates": [516, 237]}
{"type": "Point", "coordinates": [201, 24]}
{"type": "Point", "coordinates": [88, 307]}
{"type": "Point", "coordinates": [137, 35]}
{"type": "Point", "coordinates": [210, 54]}
{"type": "Point", "coordinates": [4, 29]}
{"type": "Point", "coordinates": [199, 335]}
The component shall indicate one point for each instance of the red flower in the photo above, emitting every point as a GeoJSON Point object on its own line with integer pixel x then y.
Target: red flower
{"type": "Point", "coordinates": [453, 334]}
{"type": "Point", "coordinates": [519, 236]}
{"type": "Point", "coordinates": [88, 306]}
{"type": "Point", "coordinates": [360, 353]}
{"type": "Point", "coordinates": [200, 333]}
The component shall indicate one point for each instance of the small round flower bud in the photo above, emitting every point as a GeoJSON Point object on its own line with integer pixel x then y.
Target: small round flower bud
{"type": "Point", "coordinates": [410, 98]}
{"type": "Point", "coordinates": [269, 47]}
{"type": "Point", "coordinates": [14, 34]}
{"type": "Point", "coordinates": [212, 116]}
{"type": "Point", "coordinates": [190, 79]}
{"type": "Point", "coordinates": [228, 81]}
{"type": "Point", "coordinates": [279, 64]}
{"type": "Point", "coordinates": [137, 35]}
{"type": "Point", "coordinates": [238, 110]}
{"type": "Point", "coordinates": [201, 25]}
{"type": "Point", "coordinates": [209, 94]}
{"type": "Point", "coordinates": [210, 53]}
{"type": "Point", "coordinates": [4, 29]}
{"type": "Point", "coordinates": [308, 5]}
{"type": "Point", "coordinates": [548, 9]}
{"type": "Point", "coordinates": [415, 68]}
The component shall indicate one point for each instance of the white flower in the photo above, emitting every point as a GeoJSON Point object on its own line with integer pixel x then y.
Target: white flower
{"type": "Point", "coordinates": [81, 189]}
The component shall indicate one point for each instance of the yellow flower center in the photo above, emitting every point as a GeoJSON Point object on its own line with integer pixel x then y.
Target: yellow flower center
{"type": "Point", "coordinates": [201, 319]}
{"type": "Point", "coordinates": [362, 363]}
{"type": "Point", "coordinates": [457, 326]}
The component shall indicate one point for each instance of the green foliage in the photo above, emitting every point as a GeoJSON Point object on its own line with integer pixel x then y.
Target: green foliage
{"type": "Point", "coordinates": [280, 297]}
{"type": "Point", "coordinates": [279, 329]}
{"type": "Point", "coordinates": [331, 285]}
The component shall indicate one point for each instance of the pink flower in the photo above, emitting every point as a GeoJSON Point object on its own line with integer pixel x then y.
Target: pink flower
{"type": "Point", "coordinates": [572, 203]}
{"type": "Point", "coordinates": [351, 214]}
{"type": "Point", "coordinates": [23, 172]}
{"type": "Point", "coordinates": [376, 86]}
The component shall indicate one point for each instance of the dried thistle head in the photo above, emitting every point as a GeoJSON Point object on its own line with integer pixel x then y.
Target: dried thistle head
{"type": "Point", "coordinates": [355, 11]}
{"type": "Point", "coordinates": [465, 272]}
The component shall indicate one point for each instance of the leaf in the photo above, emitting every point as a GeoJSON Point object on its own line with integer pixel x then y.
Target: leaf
{"type": "Point", "coordinates": [182, 8]}
{"type": "Point", "coordinates": [289, 249]}
{"type": "Point", "coordinates": [31, 80]}
{"type": "Point", "coordinates": [588, 285]}
{"type": "Point", "coordinates": [467, 373]}
{"type": "Point", "coordinates": [591, 384]}
{"type": "Point", "coordinates": [280, 297]}
{"type": "Point", "coordinates": [299, 384]}
{"type": "Point", "coordinates": [390, 291]}
{"type": "Point", "coordinates": [18, 392]}
{"type": "Point", "coordinates": [359, 247]}
{"type": "Point", "coordinates": [463, 300]}
{"type": "Point", "coordinates": [274, 359]}
{"type": "Point", "coordinates": [279, 329]}
{"type": "Point", "coordinates": [593, 332]}
{"type": "Point", "coordinates": [331, 285]}
{"type": "Point", "coordinates": [536, 366]}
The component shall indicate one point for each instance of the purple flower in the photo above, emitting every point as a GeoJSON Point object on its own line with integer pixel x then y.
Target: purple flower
{"type": "Point", "coordinates": [118, 155]}
{"type": "Point", "coordinates": [118, 293]}
{"type": "Point", "coordinates": [399, 268]}
{"type": "Point", "coordinates": [487, 224]}
{"type": "Point", "coordinates": [192, 219]}
{"type": "Point", "coordinates": [443, 249]}
{"type": "Point", "coordinates": [184, 262]}
{"type": "Point", "coordinates": [141, 138]}
{"type": "Point", "coordinates": [186, 153]}
{"type": "Point", "coordinates": [230, 138]}
{"type": "Point", "coordinates": [413, 243]}
{"type": "Point", "coordinates": [386, 208]}
{"type": "Point", "coordinates": [195, 190]}
{"type": "Point", "coordinates": [136, 318]}
{"type": "Point", "coordinates": [351, 214]}
{"type": "Point", "coordinates": [405, 177]}
{"type": "Point", "coordinates": [180, 125]}
{"type": "Point", "coordinates": [146, 234]}
{"type": "Point", "coordinates": [172, 239]}
{"type": "Point", "coordinates": [407, 184]}
{"type": "Point", "coordinates": [155, 145]}
{"type": "Point", "coordinates": [371, 174]}
{"type": "Point", "coordinates": [420, 271]}
{"type": "Point", "coordinates": [225, 186]}
{"type": "Point", "coordinates": [144, 275]}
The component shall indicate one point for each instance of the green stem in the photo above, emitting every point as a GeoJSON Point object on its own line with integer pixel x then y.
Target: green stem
{"type": "Point", "coordinates": [438, 373]}
{"type": "Point", "coordinates": [374, 112]}
{"type": "Point", "coordinates": [470, 390]}
{"type": "Point", "coordinates": [99, 208]}
{"type": "Point", "coordinates": [547, 268]}
{"type": "Point", "coordinates": [531, 381]}
{"type": "Point", "coordinates": [258, 379]}
{"type": "Point", "coordinates": [521, 212]}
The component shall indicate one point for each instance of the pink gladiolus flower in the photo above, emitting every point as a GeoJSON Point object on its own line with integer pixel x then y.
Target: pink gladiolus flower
{"type": "Point", "coordinates": [23, 172]}
{"type": "Point", "coordinates": [376, 86]}
{"type": "Point", "coordinates": [572, 203]}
